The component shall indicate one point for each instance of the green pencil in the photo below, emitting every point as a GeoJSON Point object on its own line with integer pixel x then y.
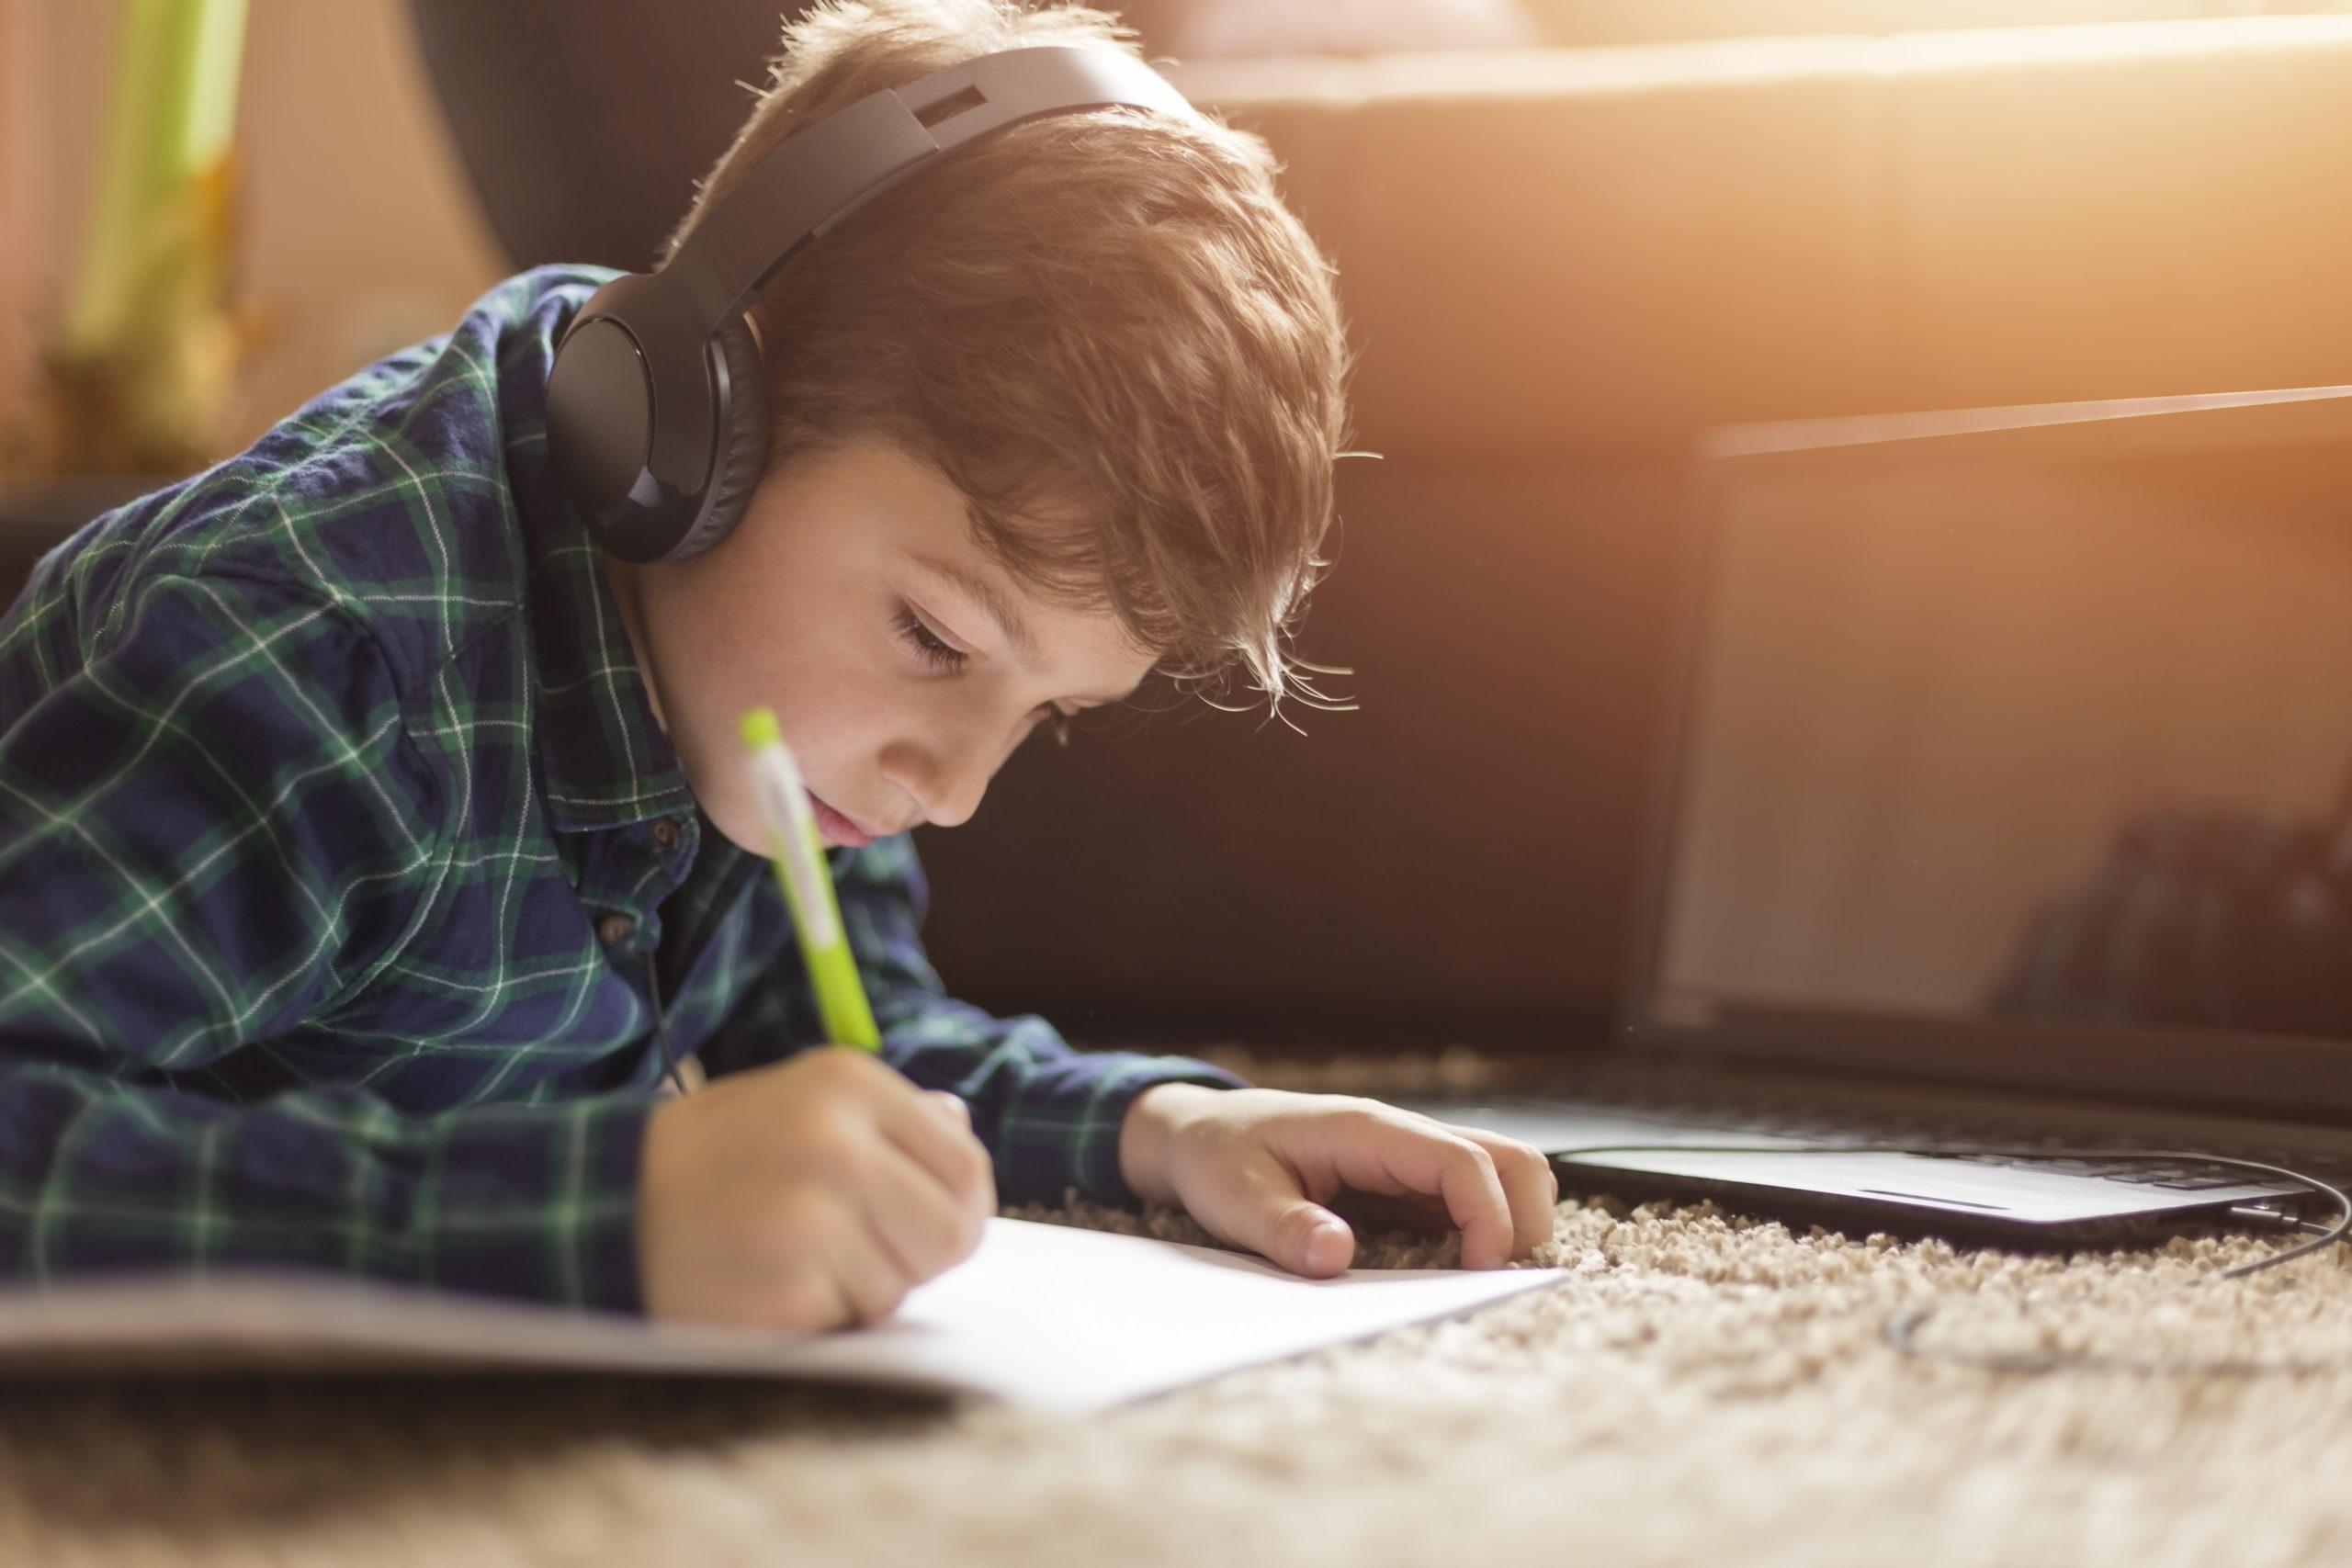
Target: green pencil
{"type": "Point", "coordinates": [797, 852]}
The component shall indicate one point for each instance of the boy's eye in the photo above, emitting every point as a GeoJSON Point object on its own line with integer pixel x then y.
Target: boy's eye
{"type": "Point", "coordinates": [928, 645]}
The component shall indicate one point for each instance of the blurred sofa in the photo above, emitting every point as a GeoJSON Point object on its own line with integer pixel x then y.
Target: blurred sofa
{"type": "Point", "coordinates": [1560, 264]}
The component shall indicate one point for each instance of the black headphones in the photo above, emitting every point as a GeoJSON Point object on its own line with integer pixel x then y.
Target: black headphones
{"type": "Point", "coordinates": [657, 405]}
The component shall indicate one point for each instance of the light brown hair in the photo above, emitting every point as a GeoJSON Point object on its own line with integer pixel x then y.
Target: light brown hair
{"type": "Point", "coordinates": [1105, 328]}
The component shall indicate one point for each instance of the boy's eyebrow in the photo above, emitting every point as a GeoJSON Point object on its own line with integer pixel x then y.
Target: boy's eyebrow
{"type": "Point", "coordinates": [987, 596]}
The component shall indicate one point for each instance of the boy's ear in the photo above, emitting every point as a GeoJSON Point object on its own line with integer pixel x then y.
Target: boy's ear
{"type": "Point", "coordinates": [629, 431]}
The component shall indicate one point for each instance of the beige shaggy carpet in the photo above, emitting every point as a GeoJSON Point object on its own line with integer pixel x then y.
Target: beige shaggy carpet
{"type": "Point", "coordinates": [1698, 1391]}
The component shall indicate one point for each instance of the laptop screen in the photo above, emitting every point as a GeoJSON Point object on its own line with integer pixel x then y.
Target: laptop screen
{"type": "Point", "coordinates": [2045, 738]}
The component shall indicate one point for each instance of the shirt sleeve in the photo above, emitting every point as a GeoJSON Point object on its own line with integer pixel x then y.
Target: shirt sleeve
{"type": "Point", "coordinates": [1049, 1114]}
{"type": "Point", "coordinates": [214, 830]}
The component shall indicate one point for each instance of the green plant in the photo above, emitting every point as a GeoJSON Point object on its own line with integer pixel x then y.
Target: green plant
{"type": "Point", "coordinates": [149, 346]}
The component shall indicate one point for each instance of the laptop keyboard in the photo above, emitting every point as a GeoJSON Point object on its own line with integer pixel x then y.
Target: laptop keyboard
{"type": "Point", "coordinates": [1685, 1115]}
{"type": "Point", "coordinates": [1881, 1127]}
{"type": "Point", "coordinates": [2138, 1173]}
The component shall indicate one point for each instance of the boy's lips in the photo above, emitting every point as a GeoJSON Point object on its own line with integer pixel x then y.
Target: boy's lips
{"type": "Point", "coordinates": [837, 828]}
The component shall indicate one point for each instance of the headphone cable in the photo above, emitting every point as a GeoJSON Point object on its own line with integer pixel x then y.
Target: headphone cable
{"type": "Point", "coordinates": [662, 1025]}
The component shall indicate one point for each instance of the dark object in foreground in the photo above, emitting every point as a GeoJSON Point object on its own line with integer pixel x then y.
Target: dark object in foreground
{"type": "Point", "coordinates": [553, 99]}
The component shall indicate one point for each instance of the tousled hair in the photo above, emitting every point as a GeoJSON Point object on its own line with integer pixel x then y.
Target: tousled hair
{"type": "Point", "coordinates": [1105, 328]}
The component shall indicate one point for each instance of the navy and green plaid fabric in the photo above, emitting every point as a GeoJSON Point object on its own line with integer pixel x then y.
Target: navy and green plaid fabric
{"type": "Point", "coordinates": [339, 848]}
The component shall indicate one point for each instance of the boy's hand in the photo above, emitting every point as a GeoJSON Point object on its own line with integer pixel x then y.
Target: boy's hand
{"type": "Point", "coordinates": [805, 1195]}
{"type": "Point", "coordinates": [1257, 1166]}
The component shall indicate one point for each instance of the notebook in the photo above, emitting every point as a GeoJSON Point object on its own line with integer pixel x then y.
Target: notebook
{"type": "Point", "coordinates": [1042, 1317]}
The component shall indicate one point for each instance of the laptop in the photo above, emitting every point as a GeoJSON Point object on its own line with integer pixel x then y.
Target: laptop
{"type": "Point", "coordinates": [2005, 812]}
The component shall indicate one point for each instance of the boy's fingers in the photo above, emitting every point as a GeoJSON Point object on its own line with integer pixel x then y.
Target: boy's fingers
{"type": "Point", "coordinates": [1255, 1201]}
{"type": "Point", "coordinates": [1528, 1182]}
{"type": "Point", "coordinates": [1313, 1241]}
{"type": "Point", "coordinates": [924, 1227]}
{"type": "Point", "coordinates": [1301, 1236]}
{"type": "Point", "coordinates": [943, 1145]}
{"type": "Point", "coordinates": [869, 1280]}
{"type": "Point", "coordinates": [1440, 1160]}
{"type": "Point", "coordinates": [1379, 1150]}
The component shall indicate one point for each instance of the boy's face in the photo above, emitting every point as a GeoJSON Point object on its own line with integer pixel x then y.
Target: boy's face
{"type": "Point", "coordinates": [903, 663]}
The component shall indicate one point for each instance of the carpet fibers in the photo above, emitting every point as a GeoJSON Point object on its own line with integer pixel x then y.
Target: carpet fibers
{"type": "Point", "coordinates": [1698, 1391]}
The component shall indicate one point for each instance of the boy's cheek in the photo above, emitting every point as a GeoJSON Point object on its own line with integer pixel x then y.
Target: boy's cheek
{"type": "Point", "coordinates": [706, 737]}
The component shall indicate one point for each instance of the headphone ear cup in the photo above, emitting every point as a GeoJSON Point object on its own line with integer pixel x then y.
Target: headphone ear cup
{"type": "Point", "coordinates": [742, 452]}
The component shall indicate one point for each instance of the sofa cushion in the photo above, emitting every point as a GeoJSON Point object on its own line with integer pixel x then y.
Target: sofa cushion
{"type": "Point", "coordinates": [1562, 251]}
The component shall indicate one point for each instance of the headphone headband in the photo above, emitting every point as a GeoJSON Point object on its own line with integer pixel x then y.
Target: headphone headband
{"type": "Point", "coordinates": [848, 158]}
{"type": "Point", "coordinates": [656, 407]}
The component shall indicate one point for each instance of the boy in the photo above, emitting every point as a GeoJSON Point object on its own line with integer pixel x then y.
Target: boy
{"type": "Point", "coordinates": [362, 828]}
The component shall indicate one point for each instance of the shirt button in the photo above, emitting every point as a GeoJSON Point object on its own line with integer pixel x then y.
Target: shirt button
{"type": "Point", "coordinates": [614, 929]}
{"type": "Point", "coordinates": [665, 834]}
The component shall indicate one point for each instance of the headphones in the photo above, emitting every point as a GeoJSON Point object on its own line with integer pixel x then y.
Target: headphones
{"type": "Point", "coordinates": [657, 403]}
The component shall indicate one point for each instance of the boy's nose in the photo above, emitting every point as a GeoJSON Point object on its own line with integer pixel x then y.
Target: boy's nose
{"type": "Point", "coordinates": [947, 781]}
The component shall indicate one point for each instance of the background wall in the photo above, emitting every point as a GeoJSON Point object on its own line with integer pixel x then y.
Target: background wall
{"type": "Point", "coordinates": [24, 196]}
{"type": "Point", "coordinates": [1654, 21]}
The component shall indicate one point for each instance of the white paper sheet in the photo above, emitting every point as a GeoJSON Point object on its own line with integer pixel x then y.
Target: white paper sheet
{"type": "Point", "coordinates": [1042, 1317]}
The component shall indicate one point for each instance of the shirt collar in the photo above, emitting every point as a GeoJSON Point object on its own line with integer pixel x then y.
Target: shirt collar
{"type": "Point", "coordinates": [604, 760]}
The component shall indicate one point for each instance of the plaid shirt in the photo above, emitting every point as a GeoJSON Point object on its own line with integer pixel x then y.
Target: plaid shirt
{"type": "Point", "coordinates": [338, 847]}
